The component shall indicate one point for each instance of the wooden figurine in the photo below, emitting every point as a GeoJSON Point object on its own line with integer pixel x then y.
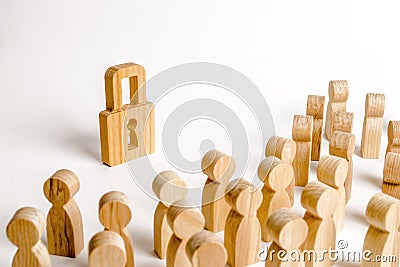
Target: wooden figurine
{"type": "Point", "coordinates": [204, 249]}
{"type": "Point", "coordinates": [315, 108]}
{"type": "Point", "coordinates": [64, 220]}
{"type": "Point", "coordinates": [126, 131]}
{"type": "Point", "coordinates": [25, 231]}
{"type": "Point", "coordinates": [302, 135]}
{"type": "Point", "coordinates": [115, 215]}
{"type": "Point", "coordinates": [391, 175]}
{"type": "Point", "coordinates": [319, 201]}
{"type": "Point", "coordinates": [342, 145]}
{"type": "Point", "coordinates": [185, 222]}
{"type": "Point", "coordinates": [382, 236]}
{"type": "Point", "coordinates": [338, 95]}
{"type": "Point", "coordinates": [168, 187]}
{"type": "Point", "coordinates": [372, 129]}
{"type": "Point", "coordinates": [288, 232]}
{"type": "Point", "coordinates": [332, 171]}
{"type": "Point", "coordinates": [284, 149]}
{"type": "Point", "coordinates": [393, 137]}
{"type": "Point", "coordinates": [219, 168]}
{"type": "Point", "coordinates": [276, 176]}
{"type": "Point", "coordinates": [242, 230]}
{"type": "Point", "coordinates": [343, 122]}
{"type": "Point", "coordinates": [107, 249]}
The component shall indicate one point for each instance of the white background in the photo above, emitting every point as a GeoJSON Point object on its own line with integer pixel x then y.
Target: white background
{"type": "Point", "coordinates": [53, 55]}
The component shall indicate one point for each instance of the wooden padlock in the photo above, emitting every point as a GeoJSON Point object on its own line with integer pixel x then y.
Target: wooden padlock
{"type": "Point", "coordinates": [126, 131]}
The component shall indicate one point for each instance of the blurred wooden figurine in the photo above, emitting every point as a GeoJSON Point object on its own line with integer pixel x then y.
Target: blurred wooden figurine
{"type": "Point", "coordinates": [393, 137]}
{"type": "Point", "coordinates": [219, 168]}
{"type": "Point", "coordinates": [168, 187]}
{"type": "Point", "coordinates": [319, 201]}
{"type": "Point", "coordinates": [342, 145]}
{"type": "Point", "coordinates": [338, 95]}
{"type": "Point", "coordinates": [276, 176]}
{"type": "Point", "coordinates": [315, 108]}
{"type": "Point", "coordinates": [64, 220]}
{"type": "Point", "coordinates": [302, 135]}
{"type": "Point", "coordinates": [107, 249]}
{"type": "Point", "coordinates": [343, 122]}
{"type": "Point", "coordinates": [391, 175]}
{"type": "Point", "coordinates": [288, 232]}
{"type": "Point", "coordinates": [242, 235]}
{"type": "Point", "coordinates": [25, 231]}
{"type": "Point", "coordinates": [115, 215]}
{"type": "Point", "coordinates": [372, 129]}
{"type": "Point", "coordinates": [204, 249]}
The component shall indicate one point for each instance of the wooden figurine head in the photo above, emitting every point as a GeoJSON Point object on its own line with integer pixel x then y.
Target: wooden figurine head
{"type": "Point", "coordinates": [338, 91]}
{"type": "Point", "coordinates": [343, 121]}
{"type": "Point", "coordinates": [332, 171]}
{"type": "Point", "coordinates": [391, 171]}
{"type": "Point", "coordinates": [114, 211]}
{"type": "Point", "coordinates": [169, 187]}
{"type": "Point", "coordinates": [243, 197]}
{"type": "Point", "coordinates": [302, 128]}
{"type": "Point", "coordinates": [217, 165]}
{"type": "Point", "coordinates": [107, 249]}
{"type": "Point", "coordinates": [280, 147]}
{"type": "Point", "coordinates": [394, 133]}
{"type": "Point", "coordinates": [383, 212]}
{"type": "Point", "coordinates": [315, 106]}
{"type": "Point", "coordinates": [342, 145]}
{"type": "Point", "coordinates": [319, 200]}
{"type": "Point", "coordinates": [375, 105]}
{"type": "Point", "coordinates": [276, 174]}
{"type": "Point", "coordinates": [61, 187]}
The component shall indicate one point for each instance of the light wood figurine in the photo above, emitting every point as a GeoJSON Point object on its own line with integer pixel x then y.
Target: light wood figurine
{"type": "Point", "coordinates": [204, 249]}
{"type": "Point", "coordinates": [315, 108]}
{"type": "Point", "coordinates": [115, 215]}
{"type": "Point", "coordinates": [391, 175]}
{"type": "Point", "coordinates": [372, 128]}
{"type": "Point", "coordinates": [393, 137]}
{"type": "Point", "coordinates": [242, 234]}
{"type": "Point", "coordinates": [107, 249]}
{"type": "Point", "coordinates": [24, 231]}
{"type": "Point", "coordinates": [302, 135]}
{"type": "Point", "coordinates": [343, 122]}
{"type": "Point", "coordinates": [276, 176]}
{"type": "Point", "coordinates": [64, 220]}
{"type": "Point", "coordinates": [338, 95]}
{"type": "Point", "coordinates": [168, 187]}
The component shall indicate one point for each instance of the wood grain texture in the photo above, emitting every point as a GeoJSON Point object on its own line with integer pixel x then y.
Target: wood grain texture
{"type": "Point", "coordinates": [107, 249]}
{"type": "Point", "coordinates": [393, 137]}
{"type": "Point", "coordinates": [343, 145]}
{"type": "Point", "coordinates": [115, 215]}
{"type": "Point", "coordinates": [288, 232]}
{"type": "Point", "coordinates": [391, 175]}
{"type": "Point", "coordinates": [242, 234]}
{"type": "Point", "coordinates": [332, 171]}
{"type": "Point", "coordinates": [185, 221]}
{"type": "Point", "coordinates": [382, 236]}
{"type": "Point", "coordinates": [219, 168]}
{"type": "Point", "coordinates": [338, 94]}
{"type": "Point", "coordinates": [343, 122]}
{"type": "Point", "coordinates": [319, 201]}
{"type": "Point", "coordinates": [204, 249]}
{"type": "Point", "coordinates": [284, 149]}
{"type": "Point", "coordinates": [64, 220]}
{"type": "Point", "coordinates": [169, 188]}
{"type": "Point", "coordinates": [126, 131]}
{"type": "Point", "coordinates": [302, 135]}
{"type": "Point", "coordinates": [315, 108]}
{"type": "Point", "coordinates": [25, 231]}
{"type": "Point", "coordinates": [276, 176]}
{"type": "Point", "coordinates": [372, 128]}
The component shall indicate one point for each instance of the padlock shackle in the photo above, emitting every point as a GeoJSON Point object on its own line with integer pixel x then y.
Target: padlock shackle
{"type": "Point", "coordinates": [137, 84]}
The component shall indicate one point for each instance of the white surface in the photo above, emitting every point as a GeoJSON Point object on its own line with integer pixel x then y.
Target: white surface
{"type": "Point", "coordinates": [53, 55]}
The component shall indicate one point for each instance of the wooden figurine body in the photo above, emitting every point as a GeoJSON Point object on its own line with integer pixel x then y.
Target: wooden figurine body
{"type": "Point", "coordinates": [315, 108]}
{"type": "Point", "coordinates": [332, 171]}
{"type": "Point", "coordinates": [185, 221]}
{"type": "Point", "coordinates": [242, 235]}
{"type": "Point", "coordinates": [285, 150]}
{"type": "Point", "coordinates": [219, 168]}
{"type": "Point", "coordinates": [276, 176]}
{"type": "Point", "coordinates": [168, 187]}
{"type": "Point", "coordinates": [372, 129]}
{"type": "Point", "coordinates": [338, 95]}
{"type": "Point", "coordinates": [302, 135]}
{"type": "Point", "coordinates": [288, 232]}
{"type": "Point", "coordinates": [115, 215]}
{"type": "Point", "coordinates": [382, 236]}
{"type": "Point", "coordinates": [64, 220]}
{"type": "Point", "coordinates": [342, 145]}
{"type": "Point", "coordinates": [319, 201]}
{"type": "Point", "coordinates": [107, 249]}
{"type": "Point", "coordinates": [343, 122]}
{"type": "Point", "coordinates": [391, 175]}
{"type": "Point", "coordinates": [24, 231]}
{"type": "Point", "coordinates": [393, 137]}
{"type": "Point", "coordinates": [204, 249]}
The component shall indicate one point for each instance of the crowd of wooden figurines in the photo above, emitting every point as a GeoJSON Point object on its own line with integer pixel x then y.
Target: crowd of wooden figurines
{"type": "Point", "coordinates": [185, 235]}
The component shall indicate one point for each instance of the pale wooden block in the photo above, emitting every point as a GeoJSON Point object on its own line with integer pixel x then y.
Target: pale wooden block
{"type": "Point", "coordinates": [315, 108]}
{"type": "Point", "coordinates": [391, 175]}
{"type": "Point", "coordinates": [393, 137]}
{"type": "Point", "coordinates": [343, 122]}
{"type": "Point", "coordinates": [242, 229]}
{"type": "Point", "coordinates": [107, 249]}
{"type": "Point", "coordinates": [64, 220]}
{"type": "Point", "coordinates": [25, 231]}
{"type": "Point", "coordinates": [338, 94]}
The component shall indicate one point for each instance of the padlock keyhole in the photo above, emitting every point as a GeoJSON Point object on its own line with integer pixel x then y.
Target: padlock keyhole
{"type": "Point", "coordinates": [133, 139]}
